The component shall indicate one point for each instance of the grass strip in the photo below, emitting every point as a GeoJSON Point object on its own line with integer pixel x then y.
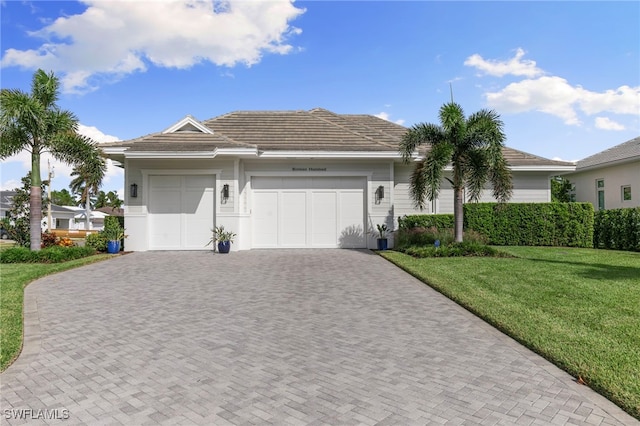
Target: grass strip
{"type": "Point", "coordinates": [578, 308]}
{"type": "Point", "coordinates": [13, 280]}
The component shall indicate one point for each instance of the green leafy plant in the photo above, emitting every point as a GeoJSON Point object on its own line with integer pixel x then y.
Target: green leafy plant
{"type": "Point", "coordinates": [220, 235]}
{"type": "Point", "coordinates": [97, 241]}
{"type": "Point", "coordinates": [382, 231]}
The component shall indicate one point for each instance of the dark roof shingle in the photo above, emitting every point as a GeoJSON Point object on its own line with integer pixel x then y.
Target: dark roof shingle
{"type": "Point", "coordinates": [625, 151]}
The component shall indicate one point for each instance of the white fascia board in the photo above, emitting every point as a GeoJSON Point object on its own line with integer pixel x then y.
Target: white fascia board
{"type": "Point", "coordinates": [330, 154]}
{"type": "Point", "coordinates": [238, 151]}
{"type": "Point", "coordinates": [114, 151]}
{"type": "Point", "coordinates": [188, 120]}
{"type": "Point", "coordinates": [563, 169]}
{"type": "Point", "coordinates": [172, 154]}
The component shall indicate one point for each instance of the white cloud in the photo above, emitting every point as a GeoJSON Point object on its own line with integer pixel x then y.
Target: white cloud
{"type": "Point", "coordinates": [112, 39]}
{"type": "Point", "coordinates": [605, 123]}
{"type": "Point", "coordinates": [513, 66]}
{"type": "Point", "coordinates": [385, 116]}
{"type": "Point", "coordinates": [554, 95]}
{"type": "Point", "coordinates": [10, 185]}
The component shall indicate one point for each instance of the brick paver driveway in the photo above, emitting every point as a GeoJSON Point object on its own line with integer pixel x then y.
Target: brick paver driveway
{"type": "Point", "coordinates": [281, 337]}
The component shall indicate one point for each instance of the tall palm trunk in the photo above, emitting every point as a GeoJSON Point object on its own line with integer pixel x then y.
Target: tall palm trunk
{"type": "Point", "coordinates": [87, 210]}
{"type": "Point", "coordinates": [35, 219]}
{"type": "Point", "coordinates": [458, 212]}
{"type": "Point", "coordinates": [35, 204]}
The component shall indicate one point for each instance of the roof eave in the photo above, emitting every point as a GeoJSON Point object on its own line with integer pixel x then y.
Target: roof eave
{"type": "Point", "coordinates": [331, 154]}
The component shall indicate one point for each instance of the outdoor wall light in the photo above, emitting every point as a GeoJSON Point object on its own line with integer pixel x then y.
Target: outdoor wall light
{"type": "Point", "coordinates": [379, 193]}
{"type": "Point", "coordinates": [133, 190]}
{"type": "Point", "coordinates": [225, 191]}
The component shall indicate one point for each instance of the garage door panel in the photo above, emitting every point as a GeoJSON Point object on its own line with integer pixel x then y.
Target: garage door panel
{"type": "Point", "coordinates": [181, 210]}
{"type": "Point", "coordinates": [351, 219]}
{"type": "Point", "coordinates": [293, 220]}
{"type": "Point", "coordinates": [265, 219]}
{"type": "Point", "coordinates": [310, 211]}
{"type": "Point", "coordinates": [323, 219]}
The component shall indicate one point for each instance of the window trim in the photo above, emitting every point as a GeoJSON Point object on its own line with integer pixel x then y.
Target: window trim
{"type": "Point", "coordinates": [622, 188]}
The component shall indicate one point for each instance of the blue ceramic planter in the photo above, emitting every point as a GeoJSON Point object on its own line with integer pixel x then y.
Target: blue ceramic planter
{"type": "Point", "coordinates": [224, 246]}
{"type": "Point", "coordinates": [382, 244]}
{"type": "Point", "coordinates": [113, 247]}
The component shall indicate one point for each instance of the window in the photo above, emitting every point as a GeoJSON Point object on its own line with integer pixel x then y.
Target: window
{"type": "Point", "coordinates": [600, 193]}
{"type": "Point", "coordinates": [626, 193]}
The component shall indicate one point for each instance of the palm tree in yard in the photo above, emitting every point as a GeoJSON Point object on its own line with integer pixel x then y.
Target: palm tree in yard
{"type": "Point", "coordinates": [86, 183]}
{"type": "Point", "coordinates": [33, 122]}
{"type": "Point", "coordinates": [473, 147]}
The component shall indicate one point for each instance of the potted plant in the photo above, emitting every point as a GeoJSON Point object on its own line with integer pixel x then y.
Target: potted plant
{"type": "Point", "coordinates": [382, 233]}
{"type": "Point", "coordinates": [224, 239]}
{"type": "Point", "coordinates": [114, 235]}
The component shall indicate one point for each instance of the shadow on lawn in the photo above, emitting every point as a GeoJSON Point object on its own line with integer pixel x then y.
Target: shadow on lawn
{"type": "Point", "coordinates": [600, 271]}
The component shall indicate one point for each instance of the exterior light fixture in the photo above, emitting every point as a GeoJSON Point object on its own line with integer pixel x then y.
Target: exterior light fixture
{"type": "Point", "coordinates": [133, 190]}
{"type": "Point", "coordinates": [225, 191]}
{"type": "Point", "coordinates": [379, 193]}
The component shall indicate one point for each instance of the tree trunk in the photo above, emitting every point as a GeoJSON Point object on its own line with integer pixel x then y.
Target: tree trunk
{"type": "Point", "coordinates": [35, 204]}
{"type": "Point", "coordinates": [458, 213]}
{"type": "Point", "coordinates": [87, 211]}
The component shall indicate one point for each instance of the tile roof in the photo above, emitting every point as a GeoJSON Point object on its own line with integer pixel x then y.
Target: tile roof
{"type": "Point", "coordinates": [628, 150]}
{"type": "Point", "coordinates": [314, 130]}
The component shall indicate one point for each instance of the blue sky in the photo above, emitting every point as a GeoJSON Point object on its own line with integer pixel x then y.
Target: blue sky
{"type": "Point", "coordinates": [564, 76]}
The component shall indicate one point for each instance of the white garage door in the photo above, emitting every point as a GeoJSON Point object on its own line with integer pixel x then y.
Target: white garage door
{"type": "Point", "coordinates": [180, 211]}
{"type": "Point", "coordinates": [308, 212]}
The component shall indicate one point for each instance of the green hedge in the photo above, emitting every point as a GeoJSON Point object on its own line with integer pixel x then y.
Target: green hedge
{"type": "Point", "coordinates": [55, 254]}
{"type": "Point", "coordinates": [532, 224]}
{"type": "Point", "coordinates": [519, 224]}
{"type": "Point", "coordinates": [440, 221]}
{"type": "Point", "coordinates": [617, 229]}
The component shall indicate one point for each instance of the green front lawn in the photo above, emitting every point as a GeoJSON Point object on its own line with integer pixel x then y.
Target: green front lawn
{"type": "Point", "coordinates": [13, 279]}
{"type": "Point", "coordinates": [579, 308]}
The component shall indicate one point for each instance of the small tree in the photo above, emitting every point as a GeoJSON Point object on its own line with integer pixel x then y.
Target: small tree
{"type": "Point", "coordinates": [473, 147]}
{"type": "Point", "coordinates": [561, 190]}
{"type": "Point", "coordinates": [63, 198]}
{"type": "Point", "coordinates": [18, 224]}
{"type": "Point", "coordinates": [33, 122]}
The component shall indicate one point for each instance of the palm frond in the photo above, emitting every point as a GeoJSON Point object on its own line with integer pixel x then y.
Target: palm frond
{"type": "Point", "coordinates": [476, 172]}
{"type": "Point", "coordinates": [417, 136]}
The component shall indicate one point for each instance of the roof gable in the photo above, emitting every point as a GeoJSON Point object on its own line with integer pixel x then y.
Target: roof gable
{"type": "Point", "coordinates": [188, 124]}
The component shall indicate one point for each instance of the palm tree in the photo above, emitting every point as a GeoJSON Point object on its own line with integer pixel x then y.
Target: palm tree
{"type": "Point", "coordinates": [87, 181]}
{"type": "Point", "coordinates": [33, 122]}
{"type": "Point", "coordinates": [473, 147]}
{"type": "Point", "coordinates": [114, 201]}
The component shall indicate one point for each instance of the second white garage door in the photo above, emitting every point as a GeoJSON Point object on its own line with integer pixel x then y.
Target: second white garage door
{"type": "Point", "coordinates": [181, 211]}
{"type": "Point", "coordinates": [310, 212]}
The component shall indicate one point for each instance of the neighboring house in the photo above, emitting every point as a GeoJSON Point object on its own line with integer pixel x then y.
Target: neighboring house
{"type": "Point", "coordinates": [609, 179]}
{"type": "Point", "coordinates": [78, 222]}
{"type": "Point", "coordinates": [62, 217]}
{"type": "Point", "coordinates": [6, 202]}
{"type": "Point", "coordinates": [111, 211]}
{"type": "Point", "coordinates": [282, 179]}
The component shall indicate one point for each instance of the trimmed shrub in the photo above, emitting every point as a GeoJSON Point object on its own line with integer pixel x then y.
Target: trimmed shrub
{"type": "Point", "coordinates": [440, 221]}
{"type": "Point", "coordinates": [532, 224]}
{"type": "Point", "coordinates": [48, 239]}
{"type": "Point", "coordinates": [617, 229]}
{"type": "Point", "coordinates": [428, 236]}
{"type": "Point", "coordinates": [54, 254]}
{"type": "Point", "coordinates": [97, 241]}
{"type": "Point", "coordinates": [466, 248]}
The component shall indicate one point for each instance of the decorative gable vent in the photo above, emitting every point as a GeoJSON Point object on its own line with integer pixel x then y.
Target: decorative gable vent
{"type": "Point", "coordinates": [188, 125]}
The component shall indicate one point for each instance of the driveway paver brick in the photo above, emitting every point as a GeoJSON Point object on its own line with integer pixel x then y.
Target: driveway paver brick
{"type": "Point", "coordinates": [285, 337]}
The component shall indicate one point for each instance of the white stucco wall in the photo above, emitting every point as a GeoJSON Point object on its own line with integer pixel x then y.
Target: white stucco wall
{"type": "Point", "coordinates": [615, 177]}
{"type": "Point", "coordinates": [528, 187]}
